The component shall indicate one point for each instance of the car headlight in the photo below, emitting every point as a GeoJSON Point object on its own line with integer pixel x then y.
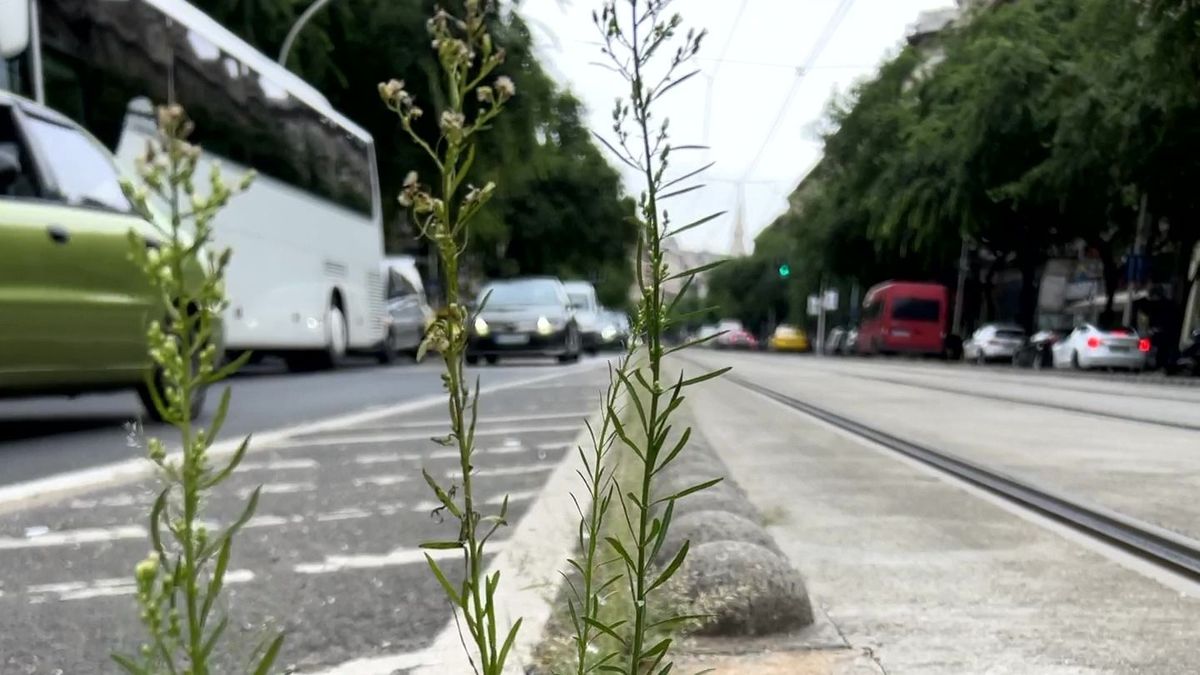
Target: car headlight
{"type": "Point", "coordinates": [609, 332]}
{"type": "Point", "coordinates": [481, 327]}
{"type": "Point", "coordinates": [544, 326]}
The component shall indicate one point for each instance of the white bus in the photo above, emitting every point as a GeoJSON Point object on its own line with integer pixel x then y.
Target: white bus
{"type": "Point", "coordinates": [305, 279]}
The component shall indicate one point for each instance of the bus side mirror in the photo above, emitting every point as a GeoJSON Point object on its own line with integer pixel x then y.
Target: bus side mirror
{"type": "Point", "coordinates": [14, 27]}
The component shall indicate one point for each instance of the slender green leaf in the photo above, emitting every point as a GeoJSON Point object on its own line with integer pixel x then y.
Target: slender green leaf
{"type": "Point", "coordinates": [218, 577]}
{"type": "Point", "coordinates": [707, 376]}
{"type": "Point", "coordinates": [671, 567]}
{"type": "Point", "coordinates": [446, 585]}
{"type": "Point", "coordinates": [229, 368]}
{"type": "Point", "coordinates": [268, 659]}
{"type": "Point", "coordinates": [211, 641]}
{"type": "Point", "coordinates": [679, 445]}
{"type": "Point", "coordinates": [678, 619]}
{"type": "Point", "coordinates": [156, 512]}
{"type": "Point", "coordinates": [442, 496]}
{"type": "Point", "coordinates": [441, 545]}
{"type": "Point", "coordinates": [693, 343]}
{"type": "Point", "coordinates": [128, 665]}
{"type": "Point", "coordinates": [697, 270]}
{"type": "Point", "coordinates": [508, 643]}
{"type": "Point", "coordinates": [231, 466]}
{"type": "Point", "coordinates": [620, 549]}
{"type": "Point", "coordinates": [668, 513]}
{"type": "Point", "coordinates": [695, 223]}
{"type": "Point", "coordinates": [680, 191]}
{"type": "Point", "coordinates": [674, 83]}
{"type": "Point", "coordinates": [693, 489]}
{"type": "Point", "coordinates": [607, 630]}
{"type": "Point", "coordinates": [690, 174]}
{"type": "Point", "coordinates": [218, 421]}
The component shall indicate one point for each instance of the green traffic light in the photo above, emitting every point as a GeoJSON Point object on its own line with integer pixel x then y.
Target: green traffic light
{"type": "Point", "coordinates": [785, 270]}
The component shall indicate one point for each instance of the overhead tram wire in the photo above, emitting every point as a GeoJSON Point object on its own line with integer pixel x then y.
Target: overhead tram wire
{"type": "Point", "coordinates": [819, 46]}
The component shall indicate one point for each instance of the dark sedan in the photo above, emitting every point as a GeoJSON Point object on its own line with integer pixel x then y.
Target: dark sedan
{"type": "Point", "coordinates": [531, 316]}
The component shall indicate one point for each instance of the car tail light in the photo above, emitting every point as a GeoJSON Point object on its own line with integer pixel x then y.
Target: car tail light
{"type": "Point", "coordinates": [1143, 345]}
{"type": "Point", "coordinates": [1093, 342]}
{"type": "Point", "coordinates": [1118, 331]}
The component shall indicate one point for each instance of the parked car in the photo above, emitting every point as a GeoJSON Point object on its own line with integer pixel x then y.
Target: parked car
{"type": "Point", "coordinates": [588, 313]}
{"type": "Point", "coordinates": [1094, 346]}
{"type": "Point", "coordinates": [835, 341]}
{"type": "Point", "coordinates": [408, 312]}
{"type": "Point", "coordinates": [739, 338]}
{"type": "Point", "coordinates": [993, 342]}
{"type": "Point", "coordinates": [529, 316]}
{"type": "Point", "coordinates": [904, 317]}
{"type": "Point", "coordinates": [75, 309]}
{"type": "Point", "coordinates": [1036, 351]}
{"type": "Point", "coordinates": [788, 339]}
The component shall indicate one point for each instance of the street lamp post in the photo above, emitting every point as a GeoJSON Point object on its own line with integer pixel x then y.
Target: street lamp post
{"type": "Point", "coordinates": [295, 30]}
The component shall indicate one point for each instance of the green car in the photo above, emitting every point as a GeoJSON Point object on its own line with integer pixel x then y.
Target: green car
{"type": "Point", "coordinates": [74, 308]}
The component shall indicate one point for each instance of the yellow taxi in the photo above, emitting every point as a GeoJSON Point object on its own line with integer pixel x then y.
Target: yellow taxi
{"type": "Point", "coordinates": [789, 339]}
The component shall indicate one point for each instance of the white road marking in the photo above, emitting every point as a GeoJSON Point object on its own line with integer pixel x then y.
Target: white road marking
{"type": "Point", "coordinates": [394, 558]}
{"type": "Point", "coordinates": [343, 514]}
{"type": "Point", "coordinates": [90, 535]}
{"type": "Point", "coordinates": [555, 446]}
{"type": "Point", "coordinates": [98, 588]}
{"type": "Point", "coordinates": [42, 490]}
{"type": "Point", "coordinates": [326, 441]}
{"type": "Point", "coordinates": [519, 496]}
{"type": "Point", "coordinates": [279, 465]}
{"type": "Point", "coordinates": [381, 481]}
{"type": "Point", "coordinates": [278, 489]}
{"type": "Point", "coordinates": [114, 501]}
{"type": "Point", "coordinates": [386, 457]}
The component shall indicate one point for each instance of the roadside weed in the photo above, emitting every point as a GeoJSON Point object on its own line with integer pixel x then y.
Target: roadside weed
{"type": "Point", "coordinates": [467, 57]}
{"type": "Point", "coordinates": [636, 35]}
{"type": "Point", "coordinates": [180, 582]}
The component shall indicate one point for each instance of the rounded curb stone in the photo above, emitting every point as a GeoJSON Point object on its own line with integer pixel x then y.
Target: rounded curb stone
{"type": "Point", "coordinates": [702, 527]}
{"type": "Point", "coordinates": [747, 589]}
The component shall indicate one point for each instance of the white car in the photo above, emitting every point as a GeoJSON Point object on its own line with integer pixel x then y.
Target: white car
{"type": "Point", "coordinates": [1090, 346]}
{"type": "Point", "coordinates": [993, 342]}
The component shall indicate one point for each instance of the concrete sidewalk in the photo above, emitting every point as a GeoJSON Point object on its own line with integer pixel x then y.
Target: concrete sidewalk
{"type": "Point", "coordinates": [929, 577]}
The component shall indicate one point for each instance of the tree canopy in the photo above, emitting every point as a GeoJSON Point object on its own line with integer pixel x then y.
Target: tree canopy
{"type": "Point", "coordinates": [1028, 130]}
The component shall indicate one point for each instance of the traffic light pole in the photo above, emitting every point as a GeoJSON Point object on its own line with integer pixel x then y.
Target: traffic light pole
{"type": "Point", "coordinates": [820, 343]}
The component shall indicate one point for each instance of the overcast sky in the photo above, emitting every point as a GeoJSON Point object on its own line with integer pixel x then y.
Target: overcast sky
{"type": "Point", "coordinates": [749, 65]}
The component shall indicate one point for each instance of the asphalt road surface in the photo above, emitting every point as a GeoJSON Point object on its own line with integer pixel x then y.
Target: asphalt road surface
{"type": "Point", "coordinates": [331, 558]}
{"type": "Point", "coordinates": [40, 437]}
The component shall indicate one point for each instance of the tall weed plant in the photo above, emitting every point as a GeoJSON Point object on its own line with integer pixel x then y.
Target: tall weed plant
{"type": "Point", "coordinates": [644, 45]}
{"type": "Point", "coordinates": [442, 210]}
{"type": "Point", "coordinates": [180, 582]}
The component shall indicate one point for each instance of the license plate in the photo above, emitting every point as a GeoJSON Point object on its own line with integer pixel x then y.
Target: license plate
{"type": "Point", "coordinates": [514, 339]}
{"type": "Point", "coordinates": [1118, 349]}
